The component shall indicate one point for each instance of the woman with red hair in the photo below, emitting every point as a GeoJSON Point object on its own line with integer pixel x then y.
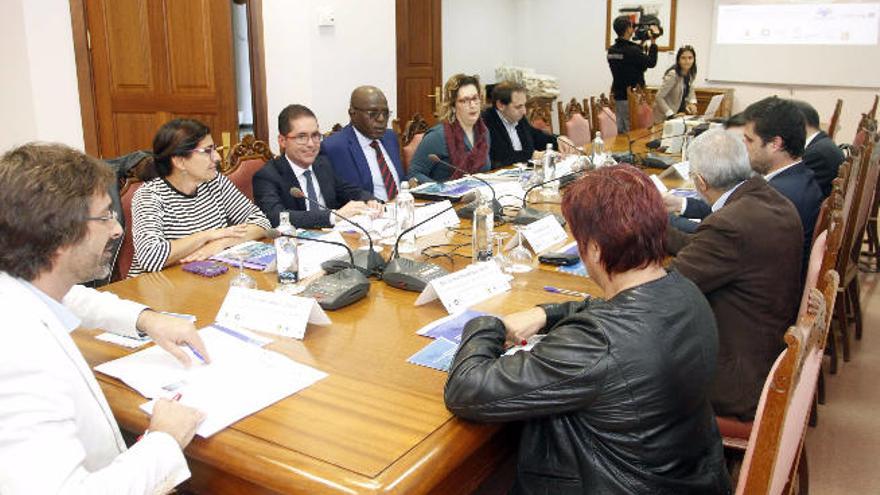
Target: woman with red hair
{"type": "Point", "coordinates": [614, 398]}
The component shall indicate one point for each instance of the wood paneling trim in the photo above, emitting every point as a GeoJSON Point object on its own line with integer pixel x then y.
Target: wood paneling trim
{"type": "Point", "coordinates": [84, 77]}
{"type": "Point", "coordinates": [258, 69]}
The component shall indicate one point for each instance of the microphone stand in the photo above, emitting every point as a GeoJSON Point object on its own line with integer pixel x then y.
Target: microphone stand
{"type": "Point", "coordinates": [371, 263]}
{"type": "Point", "coordinates": [497, 209]}
{"type": "Point", "coordinates": [408, 274]}
{"type": "Point", "coordinates": [528, 215]}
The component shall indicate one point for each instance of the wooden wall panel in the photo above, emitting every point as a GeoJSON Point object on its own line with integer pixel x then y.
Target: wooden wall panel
{"type": "Point", "coordinates": [127, 45]}
{"type": "Point", "coordinates": [134, 131]}
{"type": "Point", "coordinates": [188, 29]}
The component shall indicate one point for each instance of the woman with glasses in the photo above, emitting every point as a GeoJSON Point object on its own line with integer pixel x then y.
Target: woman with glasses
{"type": "Point", "coordinates": [461, 138]}
{"type": "Point", "coordinates": [186, 210]}
{"type": "Point", "coordinates": [676, 95]}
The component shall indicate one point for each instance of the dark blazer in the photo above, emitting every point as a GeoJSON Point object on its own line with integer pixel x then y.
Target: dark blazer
{"type": "Point", "coordinates": [823, 157]}
{"type": "Point", "coordinates": [349, 162]}
{"type": "Point", "coordinates": [614, 399]}
{"type": "Point", "coordinates": [501, 151]}
{"type": "Point", "coordinates": [746, 259]}
{"type": "Point", "coordinates": [799, 186]}
{"type": "Point", "coordinates": [272, 185]}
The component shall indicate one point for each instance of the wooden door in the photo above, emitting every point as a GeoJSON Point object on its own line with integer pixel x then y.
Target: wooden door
{"type": "Point", "coordinates": [155, 60]}
{"type": "Point", "coordinates": [419, 57]}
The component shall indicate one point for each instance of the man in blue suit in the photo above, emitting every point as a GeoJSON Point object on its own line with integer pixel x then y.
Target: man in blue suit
{"type": "Point", "coordinates": [365, 152]}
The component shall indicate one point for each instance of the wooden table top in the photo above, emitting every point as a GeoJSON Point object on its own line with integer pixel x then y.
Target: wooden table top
{"type": "Point", "coordinates": [375, 424]}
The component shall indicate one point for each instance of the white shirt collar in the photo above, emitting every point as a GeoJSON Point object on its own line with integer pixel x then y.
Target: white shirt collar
{"type": "Point", "coordinates": [363, 140]}
{"type": "Point", "coordinates": [507, 123]}
{"type": "Point", "coordinates": [810, 138]}
{"type": "Point", "coordinates": [779, 171]}
{"type": "Point", "coordinates": [722, 200]}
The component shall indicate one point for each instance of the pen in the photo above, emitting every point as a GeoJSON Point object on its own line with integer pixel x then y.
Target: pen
{"type": "Point", "coordinates": [198, 355]}
{"type": "Point", "coordinates": [567, 292]}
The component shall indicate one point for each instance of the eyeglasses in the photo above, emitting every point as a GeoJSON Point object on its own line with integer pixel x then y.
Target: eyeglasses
{"type": "Point", "coordinates": [208, 150]}
{"type": "Point", "coordinates": [111, 215]}
{"type": "Point", "coordinates": [469, 100]}
{"type": "Point", "coordinates": [304, 138]}
{"type": "Point", "coordinates": [375, 114]}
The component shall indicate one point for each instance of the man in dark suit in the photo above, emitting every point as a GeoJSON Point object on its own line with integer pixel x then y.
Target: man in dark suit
{"type": "Point", "coordinates": [300, 166]}
{"type": "Point", "coordinates": [821, 155]}
{"type": "Point", "coordinates": [365, 152]}
{"type": "Point", "coordinates": [511, 138]}
{"type": "Point", "coordinates": [745, 257]}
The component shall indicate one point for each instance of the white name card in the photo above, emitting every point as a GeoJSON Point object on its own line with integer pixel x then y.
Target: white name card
{"type": "Point", "coordinates": [659, 184]}
{"type": "Point", "coordinates": [459, 290]}
{"type": "Point", "coordinates": [274, 312]}
{"type": "Point", "coordinates": [448, 219]}
{"type": "Point", "coordinates": [507, 193]}
{"type": "Point", "coordinates": [545, 233]}
{"type": "Point", "coordinates": [312, 254]}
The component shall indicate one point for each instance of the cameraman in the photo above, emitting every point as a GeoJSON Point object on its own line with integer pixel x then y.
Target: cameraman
{"type": "Point", "coordinates": [628, 62]}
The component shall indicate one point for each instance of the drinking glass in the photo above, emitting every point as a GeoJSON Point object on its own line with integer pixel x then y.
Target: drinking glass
{"type": "Point", "coordinates": [242, 279]}
{"type": "Point", "coordinates": [499, 250]}
{"type": "Point", "coordinates": [520, 259]}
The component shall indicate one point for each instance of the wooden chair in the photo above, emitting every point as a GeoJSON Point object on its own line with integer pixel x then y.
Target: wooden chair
{"type": "Point", "coordinates": [245, 159]}
{"type": "Point", "coordinates": [604, 118]}
{"type": "Point", "coordinates": [126, 248]}
{"type": "Point", "coordinates": [641, 116]}
{"type": "Point", "coordinates": [574, 122]}
{"type": "Point", "coordinates": [411, 137]}
{"type": "Point", "coordinates": [835, 116]}
{"type": "Point", "coordinates": [334, 129]}
{"type": "Point", "coordinates": [873, 112]}
{"type": "Point", "coordinates": [774, 460]}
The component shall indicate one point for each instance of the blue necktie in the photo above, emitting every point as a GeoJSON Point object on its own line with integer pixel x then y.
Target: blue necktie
{"type": "Point", "coordinates": [310, 190]}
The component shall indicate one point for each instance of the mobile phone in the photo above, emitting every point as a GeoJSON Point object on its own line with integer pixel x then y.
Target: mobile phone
{"type": "Point", "coordinates": [561, 259]}
{"type": "Point", "coordinates": [206, 268]}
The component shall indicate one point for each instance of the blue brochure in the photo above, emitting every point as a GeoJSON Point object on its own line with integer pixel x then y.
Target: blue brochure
{"type": "Point", "coordinates": [436, 355]}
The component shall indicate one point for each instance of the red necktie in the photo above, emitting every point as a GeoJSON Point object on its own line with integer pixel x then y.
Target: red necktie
{"type": "Point", "coordinates": [387, 176]}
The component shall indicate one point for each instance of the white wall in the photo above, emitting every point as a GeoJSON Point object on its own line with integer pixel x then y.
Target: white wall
{"type": "Point", "coordinates": [566, 39]}
{"type": "Point", "coordinates": [319, 66]}
{"type": "Point", "coordinates": [39, 93]}
{"type": "Point", "coordinates": [477, 37]}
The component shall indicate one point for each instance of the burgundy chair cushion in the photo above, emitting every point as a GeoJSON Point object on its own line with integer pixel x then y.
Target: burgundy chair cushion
{"type": "Point", "coordinates": [126, 249]}
{"type": "Point", "coordinates": [243, 176]}
{"type": "Point", "coordinates": [733, 428]}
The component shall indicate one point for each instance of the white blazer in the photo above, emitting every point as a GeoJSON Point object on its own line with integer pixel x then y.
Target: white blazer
{"type": "Point", "coordinates": [57, 433]}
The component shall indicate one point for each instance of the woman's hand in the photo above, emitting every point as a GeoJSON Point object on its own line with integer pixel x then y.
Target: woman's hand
{"type": "Point", "coordinates": [524, 324]}
{"type": "Point", "coordinates": [691, 108]}
{"type": "Point", "coordinates": [234, 231]}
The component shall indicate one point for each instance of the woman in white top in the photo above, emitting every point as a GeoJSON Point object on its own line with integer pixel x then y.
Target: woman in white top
{"type": "Point", "coordinates": [676, 95]}
{"type": "Point", "coordinates": [188, 211]}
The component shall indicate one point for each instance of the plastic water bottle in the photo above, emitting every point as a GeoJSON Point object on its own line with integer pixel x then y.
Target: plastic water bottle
{"type": "Point", "coordinates": [286, 253]}
{"type": "Point", "coordinates": [406, 218]}
{"type": "Point", "coordinates": [598, 154]}
{"type": "Point", "coordinates": [483, 227]}
{"type": "Point", "coordinates": [549, 167]}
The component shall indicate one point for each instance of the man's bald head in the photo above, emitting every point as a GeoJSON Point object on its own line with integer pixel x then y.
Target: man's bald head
{"type": "Point", "coordinates": [368, 111]}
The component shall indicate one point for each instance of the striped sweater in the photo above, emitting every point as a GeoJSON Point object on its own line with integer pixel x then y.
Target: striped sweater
{"type": "Point", "coordinates": [161, 213]}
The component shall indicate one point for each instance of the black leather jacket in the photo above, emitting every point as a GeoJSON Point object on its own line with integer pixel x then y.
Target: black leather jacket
{"type": "Point", "coordinates": [628, 63]}
{"type": "Point", "coordinates": [614, 399]}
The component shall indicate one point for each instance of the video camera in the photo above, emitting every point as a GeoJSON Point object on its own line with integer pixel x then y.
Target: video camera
{"type": "Point", "coordinates": [643, 26]}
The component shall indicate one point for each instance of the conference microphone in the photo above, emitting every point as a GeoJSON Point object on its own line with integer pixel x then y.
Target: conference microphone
{"type": "Point", "coordinates": [408, 274]}
{"type": "Point", "coordinates": [468, 210]}
{"type": "Point", "coordinates": [528, 215]}
{"type": "Point", "coordinates": [337, 289]}
{"type": "Point", "coordinates": [631, 157]}
{"type": "Point", "coordinates": [371, 262]}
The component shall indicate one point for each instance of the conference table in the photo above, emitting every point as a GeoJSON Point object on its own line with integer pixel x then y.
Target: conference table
{"type": "Point", "coordinates": [376, 424]}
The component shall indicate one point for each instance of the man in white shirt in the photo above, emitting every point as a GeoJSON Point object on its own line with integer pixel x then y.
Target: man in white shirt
{"type": "Point", "coordinates": [365, 152]}
{"type": "Point", "coordinates": [57, 433]}
{"type": "Point", "coordinates": [301, 167]}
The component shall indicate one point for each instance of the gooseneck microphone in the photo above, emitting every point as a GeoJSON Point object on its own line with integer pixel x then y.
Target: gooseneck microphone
{"type": "Point", "coordinates": [408, 274]}
{"type": "Point", "coordinates": [468, 210]}
{"type": "Point", "coordinates": [275, 233]}
{"type": "Point", "coordinates": [528, 215]}
{"type": "Point", "coordinates": [371, 263]}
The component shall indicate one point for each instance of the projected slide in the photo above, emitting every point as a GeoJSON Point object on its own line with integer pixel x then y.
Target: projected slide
{"type": "Point", "coordinates": [799, 24]}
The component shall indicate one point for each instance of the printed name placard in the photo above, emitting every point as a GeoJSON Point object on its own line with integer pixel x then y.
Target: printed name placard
{"type": "Point", "coordinates": [545, 233]}
{"type": "Point", "coordinates": [659, 183]}
{"type": "Point", "coordinates": [448, 219]}
{"type": "Point", "coordinates": [274, 312]}
{"type": "Point", "coordinates": [459, 290]}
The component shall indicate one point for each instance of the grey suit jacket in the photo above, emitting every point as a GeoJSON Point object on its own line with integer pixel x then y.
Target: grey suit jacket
{"type": "Point", "coordinates": [668, 97]}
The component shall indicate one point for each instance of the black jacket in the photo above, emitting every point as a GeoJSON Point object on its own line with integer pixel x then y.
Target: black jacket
{"type": "Point", "coordinates": [272, 185]}
{"type": "Point", "coordinates": [823, 157]}
{"type": "Point", "coordinates": [501, 151]}
{"type": "Point", "coordinates": [615, 399]}
{"type": "Point", "coordinates": [628, 63]}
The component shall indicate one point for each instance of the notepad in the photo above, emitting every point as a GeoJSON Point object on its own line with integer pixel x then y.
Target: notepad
{"type": "Point", "coordinates": [437, 355]}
